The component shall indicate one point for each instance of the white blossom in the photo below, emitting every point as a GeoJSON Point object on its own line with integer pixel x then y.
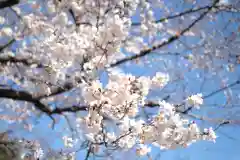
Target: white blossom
{"type": "Point", "coordinates": [6, 31]}
{"type": "Point", "coordinates": [195, 100]}
{"type": "Point", "coordinates": [143, 150]}
{"type": "Point", "coordinates": [160, 79]}
{"type": "Point", "coordinates": [2, 20]}
{"type": "Point", "coordinates": [68, 142]}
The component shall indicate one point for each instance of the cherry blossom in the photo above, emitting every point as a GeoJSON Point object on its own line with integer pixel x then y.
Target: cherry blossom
{"type": "Point", "coordinates": [65, 46]}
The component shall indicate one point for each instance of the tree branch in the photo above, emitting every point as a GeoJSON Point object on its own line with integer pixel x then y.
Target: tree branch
{"type": "Point", "coordinates": [7, 45]}
{"type": "Point", "coordinates": [152, 104]}
{"type": "Point", "coordinates": [24, 61]}
{"type": "Point", "coordinates": [58, 90]}
{"type": "Point", "coordinates": [192, 10]}
{"type": "Point", "coordinates": [169, 41]}
{"type": "Point", "coordinates": [8, 3]}
{"type": "Point", "coordinates": [23, 96]}
{"type": "Point", "coordinates": [73, 16]}
{"type": "Point", "coordinates": [72, 109]}
{"type": "Point", "coordinates": [213, 93]}
{"type": "Point", "coordinates": [88, 152]}
{"type": "Point", "coordinates": [220, 122]}
{"type": "Point", "coordinates": [222, 89]}
{"type": "Point", "coordinates": [27, 97]}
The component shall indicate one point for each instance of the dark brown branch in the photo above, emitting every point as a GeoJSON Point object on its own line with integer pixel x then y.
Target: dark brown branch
{"type": "Point", "coordinates": [192, 10]}
{"type": "Point", "coordinates": [8, 3]}
{"type": "Point", "coordinates": [58, 90]}
{"type": "Point", "coordinates": [66, 86]}
{"type": "Point", "coordinates": [222, 89]}
{"type": "Point", "coordinates": [26, 62]}
{"type": "Point", "coordinates": [225, 122]}
{"type": "Point", "coordinates": [220, 122]}
{"type": "Point", "coordinates": [27, 97]}
{"type": "Point", "coordinates": [88, 152]}
{"type": "Point", "coordinates": [23, 96]}
{"type": "Point", "coordinates": [213, 93]}
{"type": "Point", "coordinates": [73, 16]}
{"type": "Point", "coordinates": [155, 104]}
{"type": "Point", "coordinates": [72, 109]}
{"type": "Point", "coordinates": [76, 21]}
{"type": "Point", "coordinates": [169, 41]}
{"type": "Point", "coordinates": [7, 45]}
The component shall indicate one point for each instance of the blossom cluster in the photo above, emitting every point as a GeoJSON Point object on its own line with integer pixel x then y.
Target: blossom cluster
{"type": "Point", "coordinates": [120, 102]}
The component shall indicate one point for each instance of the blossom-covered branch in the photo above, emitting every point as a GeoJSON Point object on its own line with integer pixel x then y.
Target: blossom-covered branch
{"type": "Point", "coordinates": [148, 51]}
{"type": "Point", "coordinates": [155, 104]}
{"type": "Point", "coordinates": [193, 10]}
{"type": "Point", "coordinates": [189, 11]}
{"type": "Point", "coordinates": [25, 61]}
{"type": "Point", "coordinates": [23, 96]}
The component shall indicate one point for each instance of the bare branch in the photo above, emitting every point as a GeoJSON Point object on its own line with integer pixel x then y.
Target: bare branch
{"type": "Point", "coordinates": [7, 45]}
{"type": "Point", "coordinates": [88, 152]}
{"type": "Point", "coordinates": [72, 109]}
{"type": "Point", "coordinates": [220, 122]}
{"type": "Point", "coordinates": [222, 89]}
